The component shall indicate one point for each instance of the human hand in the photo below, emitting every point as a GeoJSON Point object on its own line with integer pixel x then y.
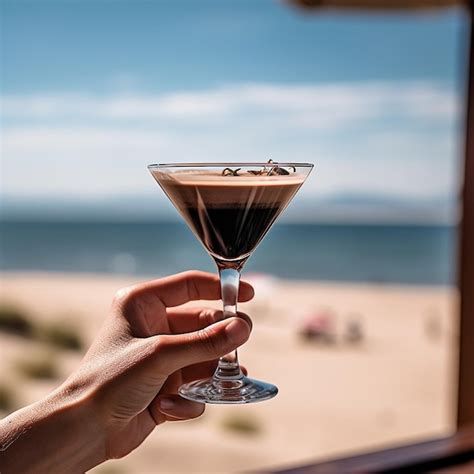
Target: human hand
{"type": "Point", "coordinates": [148, 346]}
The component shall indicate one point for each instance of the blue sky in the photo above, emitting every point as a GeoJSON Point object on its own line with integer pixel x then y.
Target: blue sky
{"type": "Point", "coordinates": [94, 90]}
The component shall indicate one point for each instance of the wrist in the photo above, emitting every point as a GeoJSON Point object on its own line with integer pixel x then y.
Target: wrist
{"type": "Point", "coordinates": [58, 434]}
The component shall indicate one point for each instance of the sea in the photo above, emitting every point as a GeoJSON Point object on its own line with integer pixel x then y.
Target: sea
{"type": "Point", "coordinates": [405, 254]}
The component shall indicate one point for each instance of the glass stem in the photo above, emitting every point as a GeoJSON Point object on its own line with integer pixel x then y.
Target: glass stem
{"type": "Point", "coordinates": [228, 367]}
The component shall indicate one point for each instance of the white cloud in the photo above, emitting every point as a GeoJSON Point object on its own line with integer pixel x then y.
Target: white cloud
{"type": "Point", "coordinates": [376, 137]}
{"type": "Point", "coordinates": [333, 103]}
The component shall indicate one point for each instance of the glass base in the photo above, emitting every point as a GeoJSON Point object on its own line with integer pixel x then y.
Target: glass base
{"type": "Point", "coordinates": [242, 390]}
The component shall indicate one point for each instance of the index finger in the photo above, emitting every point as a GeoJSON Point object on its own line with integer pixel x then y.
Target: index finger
{"type": "Point", "coordinates": [192, 285]}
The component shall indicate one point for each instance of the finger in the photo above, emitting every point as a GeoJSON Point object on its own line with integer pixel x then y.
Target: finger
{"type": "Point", "coordinates": [191, 319]}
{"type": "Point", "coordinates": [173, 382]}
{"type": "Point", "coordinates": [188, 286]}
{"type": "Point", "coordinates": [203, 370]}
{"type": "Point", "coordinates": [173, 352]}
{"type": "Point", "coordinates": [173, 407]}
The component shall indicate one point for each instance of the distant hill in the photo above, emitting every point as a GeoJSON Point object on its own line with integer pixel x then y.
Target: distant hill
{"type": "Point", "coordinates": [364, 207]}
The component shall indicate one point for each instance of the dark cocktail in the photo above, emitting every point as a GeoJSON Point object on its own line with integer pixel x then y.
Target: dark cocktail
{"type": "Point", "coordinates": [230, 208]}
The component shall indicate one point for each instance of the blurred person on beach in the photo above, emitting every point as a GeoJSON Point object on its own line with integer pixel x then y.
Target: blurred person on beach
{"type": "Point", "coordinates": [127, 382]}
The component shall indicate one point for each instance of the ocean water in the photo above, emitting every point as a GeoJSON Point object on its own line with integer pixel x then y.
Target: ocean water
{"type": "Point", "coordinates": [361, 253]}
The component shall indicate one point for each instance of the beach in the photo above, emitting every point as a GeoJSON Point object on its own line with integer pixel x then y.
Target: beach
{"type": "Point", "coordinates": [395, 385]}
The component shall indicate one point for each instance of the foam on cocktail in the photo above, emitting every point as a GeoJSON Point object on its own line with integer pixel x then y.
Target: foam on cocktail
{"type": "Point", "coordinates": [198, 177]}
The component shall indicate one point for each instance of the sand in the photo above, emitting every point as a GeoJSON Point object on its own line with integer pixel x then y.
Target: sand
{"type": "Point", "coordinates": [396, 386]}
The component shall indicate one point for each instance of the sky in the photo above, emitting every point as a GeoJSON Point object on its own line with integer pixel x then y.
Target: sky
{"type": "Point", "coordinates": [93, 91]}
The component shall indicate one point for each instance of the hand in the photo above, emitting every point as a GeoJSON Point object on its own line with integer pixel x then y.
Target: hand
{"type": "Point", "coordinates": [148, 346]}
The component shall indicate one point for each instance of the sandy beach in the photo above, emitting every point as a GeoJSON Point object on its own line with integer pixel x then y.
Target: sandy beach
{"type": "Point", "coordinates": [393, 387]}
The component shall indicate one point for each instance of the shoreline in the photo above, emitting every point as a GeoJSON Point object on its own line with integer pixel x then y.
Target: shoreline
{"type": "Point", "coordinates": [138, 277]}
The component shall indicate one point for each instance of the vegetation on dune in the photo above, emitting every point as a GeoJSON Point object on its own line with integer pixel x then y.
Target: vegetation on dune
{"type": "Point", "coordinates": [244, 425]}
{"type": "Point", "coordinates": [62, 336]}
{"type": "Point", "coordinates": [6, 398]}
{"type": "Point", "coordinates": [58, 334]}
{"type": "Point", "coordinates": [41, 366]}
{"type": "Point", "coordinates": [14, 321]}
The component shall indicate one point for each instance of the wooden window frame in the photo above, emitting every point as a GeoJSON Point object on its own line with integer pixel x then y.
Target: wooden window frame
{"type": "Point", "coordinates": [466, 259]}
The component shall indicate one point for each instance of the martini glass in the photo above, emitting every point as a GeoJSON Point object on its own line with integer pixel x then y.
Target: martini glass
{"type": "Point", "coordinates": [230, 207]}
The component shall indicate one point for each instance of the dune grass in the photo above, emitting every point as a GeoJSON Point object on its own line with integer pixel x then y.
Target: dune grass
{"type": "Point", "coordinates": [6, 398]}
{"type": "Point", "coordinates": [14, 321]}
{"type": "Point", "coordinates": [41, 366]}
{"type": "Point", "coordinates": [243, 425]}
{"type": "Point", "coordinates": [58, 334]}
{"type": "Point", "coordinates": [61, 335]}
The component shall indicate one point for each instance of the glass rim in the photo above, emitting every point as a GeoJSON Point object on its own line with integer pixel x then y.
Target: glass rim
{"type": "Point", "coordinates": [226, 164]}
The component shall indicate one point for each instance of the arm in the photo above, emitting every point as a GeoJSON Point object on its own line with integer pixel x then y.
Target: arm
{"type": "Point", "coordinates": [58, 433]}
{"type": "Point", "coordinates": [127, 383]}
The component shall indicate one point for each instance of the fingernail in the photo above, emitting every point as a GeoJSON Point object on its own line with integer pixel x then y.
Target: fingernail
{"type": "Point", "coordinates": [166, 403]}
{"type": "Point", "coordinates": [237, 331]}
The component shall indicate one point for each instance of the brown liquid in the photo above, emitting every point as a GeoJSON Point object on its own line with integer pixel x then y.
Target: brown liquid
{"type": "Point", "coordinates": [230, 215]}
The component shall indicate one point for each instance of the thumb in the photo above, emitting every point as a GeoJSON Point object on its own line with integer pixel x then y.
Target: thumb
{"type": "Point", "coordinates": [180, 350]}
